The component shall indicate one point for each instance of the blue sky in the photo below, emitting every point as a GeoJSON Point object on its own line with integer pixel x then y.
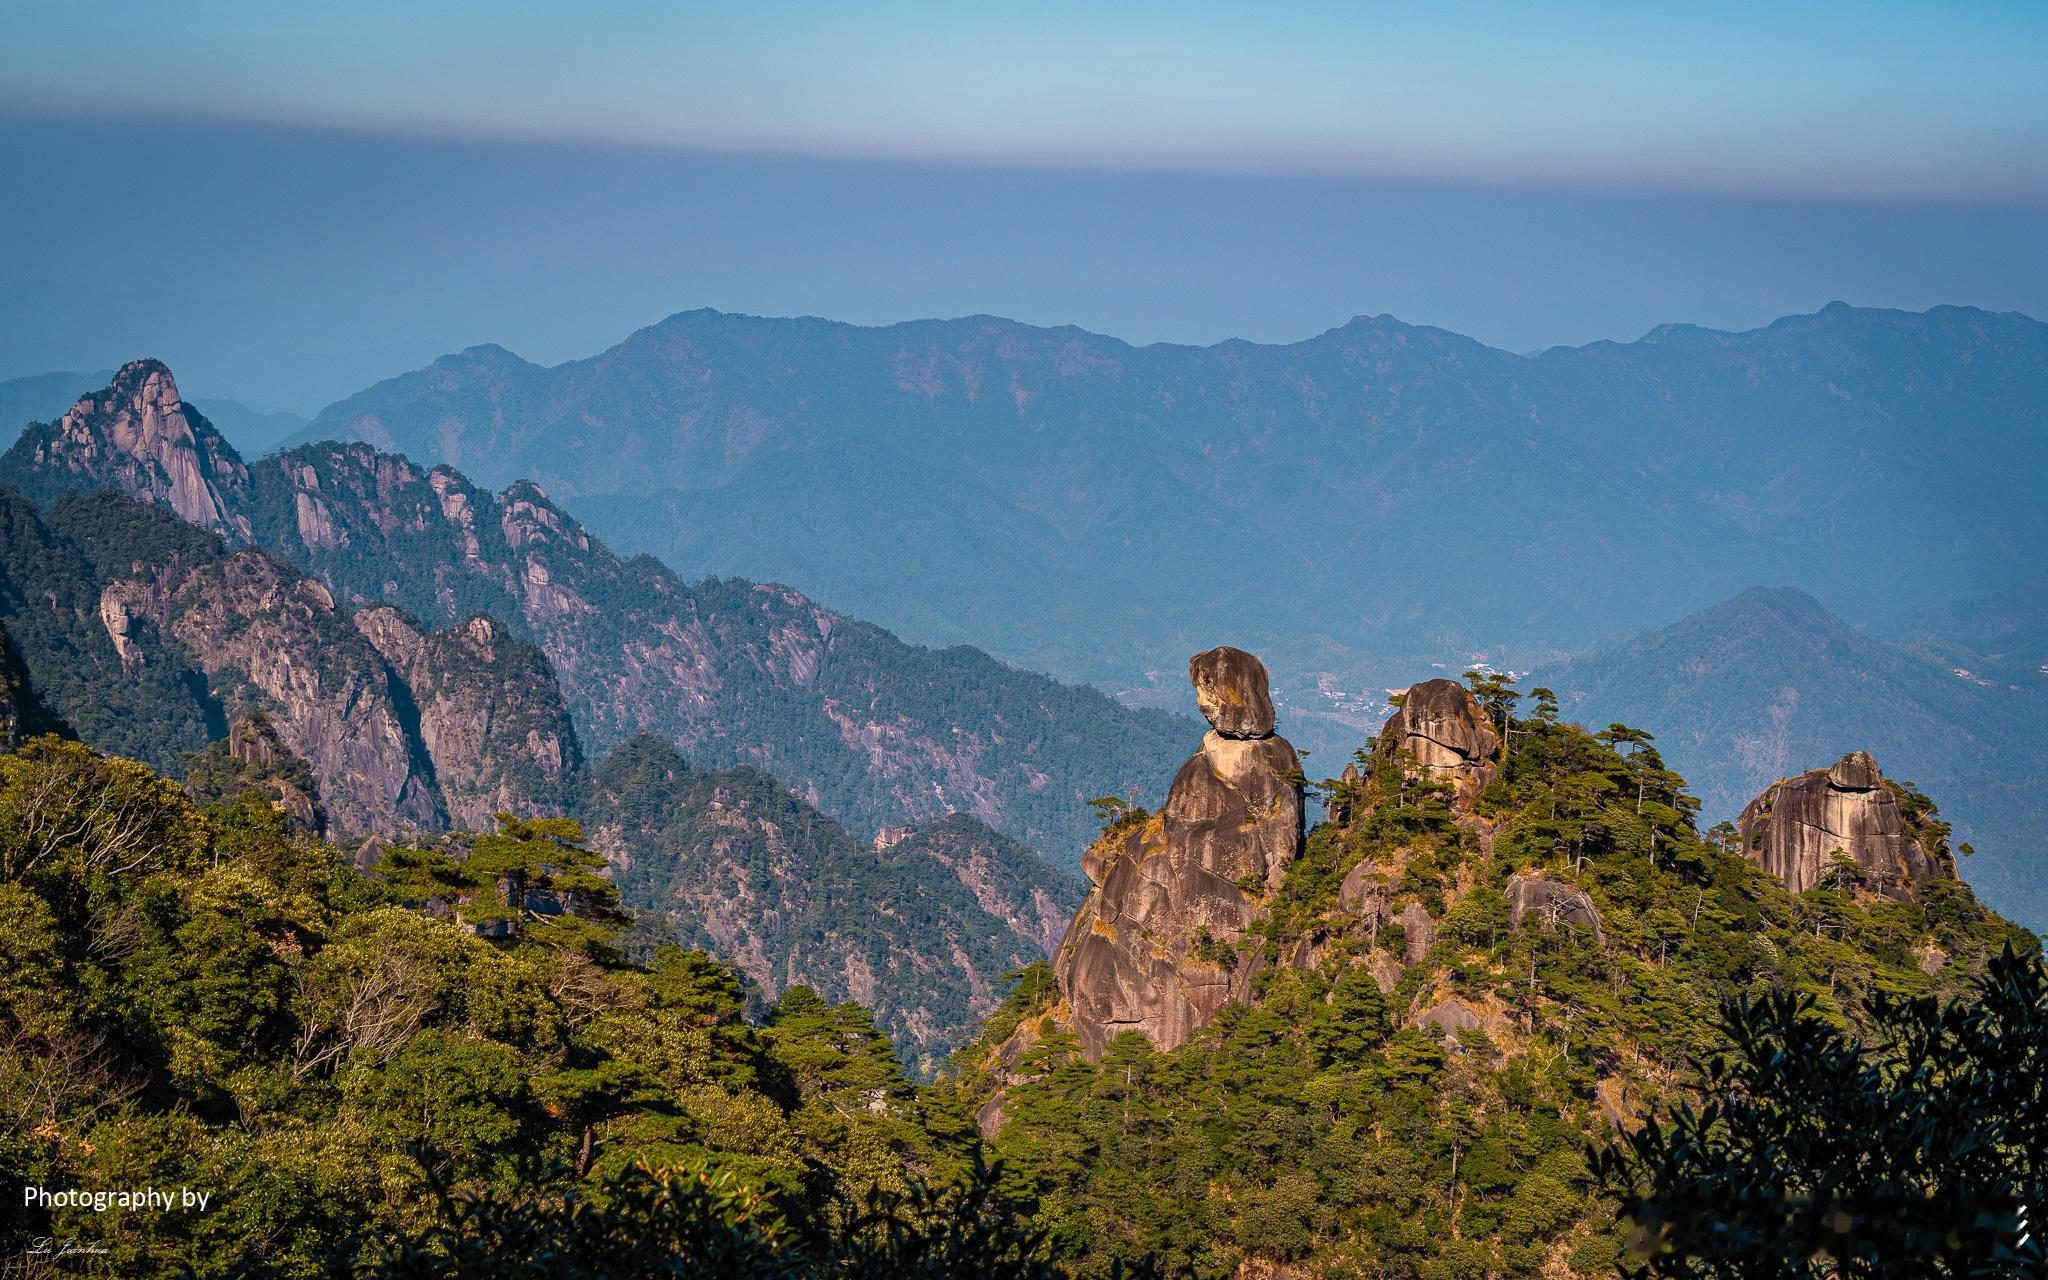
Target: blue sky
{"type": "Point", "coordinates": [1869, 100]}
{"type": "Point", "coordinates": [288, 201]}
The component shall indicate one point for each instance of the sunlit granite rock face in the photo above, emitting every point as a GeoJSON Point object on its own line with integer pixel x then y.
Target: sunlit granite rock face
{"type": "Point", "coordinates": [1155, 949]}
{"type": "Point", "coordinates": [1445, 736]}
{"type": "Point", "coordinates": [139, 437]}
{"type": "Point", "coordinates": [1797, 825]}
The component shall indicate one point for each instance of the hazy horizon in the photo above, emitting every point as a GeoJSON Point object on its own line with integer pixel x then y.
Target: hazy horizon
{"type": "Point", "coordinates": [289, 268]}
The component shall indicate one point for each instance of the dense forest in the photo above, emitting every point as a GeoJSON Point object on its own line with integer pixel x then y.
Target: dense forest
{"type": "Point", "coordinates": [445, 1066]}
{"type": "Point", "coordinates": [206, 999]}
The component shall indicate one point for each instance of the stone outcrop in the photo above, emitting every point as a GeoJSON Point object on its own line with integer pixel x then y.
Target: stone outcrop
{"type": "Point", "coordinates": [1553, 902]}
{"type": "Point", "coordinates": [1418, 933]}
{"type": "Point", "coordinates": [1445, 736]}
{"type": "Point", "coordinates": [1449, 1018]}
{"type": "Point", "coordinates": [140, 438]}
{"type": "Point", "coordinates": [254, 757]}
{"type": "Point", "coordinates": [1796, 826]}
{"type": "Point", "coordinates": [1154, 949]}
{"type": "Point", "coordinates": [490, 715]}
{"type": "Point", "coordinates": [1338, 808]}
{"type": "Point", "coordinates": [1364, 890]}
{"type": "Point", "coordinates": [1230, 691]}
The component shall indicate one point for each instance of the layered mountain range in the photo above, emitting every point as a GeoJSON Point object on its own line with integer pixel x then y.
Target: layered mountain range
{"type": "Point", "coordinates": [1090, 508]}
{"type": "Point", "coordinates": [873, 731]}
{"type": "Point", "coordinates": [1373, 504]}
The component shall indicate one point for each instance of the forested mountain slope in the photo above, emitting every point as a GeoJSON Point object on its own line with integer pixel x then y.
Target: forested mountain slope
{"type": "Point", "coordinates": [919, 925]}
{"type": "Point", "coordinates": [1509, 941]}
{"type": "Point", "coordinates": [147, 636]}
{"type": "Point", "coordinates": [214, 1001]}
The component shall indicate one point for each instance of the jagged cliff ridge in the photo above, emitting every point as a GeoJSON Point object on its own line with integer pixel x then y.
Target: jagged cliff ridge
{"type": "Point", "coordinates": [1155, 949]}
{"type": "Point", "coordinates": [919, 926]}
{"type": "Point", "coordinates": [489, 711]}
{"type": "Point", "coordinates": [149, 636]}
{"type": "Point", "coordinates": [1797, 827]}
{"type": "Point", "coordinates": [872, 730]}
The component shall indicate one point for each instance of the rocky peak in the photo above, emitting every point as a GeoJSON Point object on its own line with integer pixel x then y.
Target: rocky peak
{"type": "Point", "coordinates": [1445, 735]}
{"type": "Point", "coordinates": [1798, 824]}
{"type": "Point", "coordinates": [1155, 948]}
{"type": "Point", "coordinates": [137, 436]}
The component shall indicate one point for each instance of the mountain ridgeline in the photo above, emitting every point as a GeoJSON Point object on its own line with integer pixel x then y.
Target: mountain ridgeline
{"type": "Point", "coordinates": [1089, 507]}
{"type": "Point", "coordinates": [874, 731]}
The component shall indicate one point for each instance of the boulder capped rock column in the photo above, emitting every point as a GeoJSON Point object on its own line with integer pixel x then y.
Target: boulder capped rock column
{"type": "Point", "coordinates": [1154, 949]}
{"type": "Point", "coordinates": [1795, 826]}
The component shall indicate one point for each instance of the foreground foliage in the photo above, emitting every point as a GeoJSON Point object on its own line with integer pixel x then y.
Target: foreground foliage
{"type": "Point", "coordinates": [206, 999]}
{"type": "Point", "coordinates": [449, 1070]}
{"type": "Point", "coordinates": [1909, 1153]}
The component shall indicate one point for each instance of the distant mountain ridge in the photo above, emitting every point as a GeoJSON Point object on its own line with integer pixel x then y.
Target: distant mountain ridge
{"type": "Point", "coordinates": [1324, 492]}
{"type": "Point", "coordinates": [1770, 683]}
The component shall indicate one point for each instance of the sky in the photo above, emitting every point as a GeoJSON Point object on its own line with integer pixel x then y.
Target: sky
{"type": "Point", "coordinates": [290, 201]}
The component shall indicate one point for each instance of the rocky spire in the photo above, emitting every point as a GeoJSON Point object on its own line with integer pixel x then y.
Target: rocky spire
{"type": "Point", "coordinates": [1155, 948]}
{"type": "Point", "coordinates": [139, 437]}
{"type": "Point", "coordinates": [1797, 825]}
